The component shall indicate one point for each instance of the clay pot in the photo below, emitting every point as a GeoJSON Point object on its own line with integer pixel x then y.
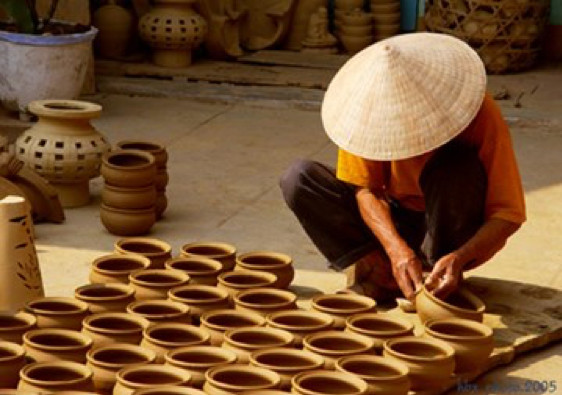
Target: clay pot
{"type": "Point", "coordinates": [129, 198]}
{"type": "Point", "coordinates": [265, 301]}
{"type": "Point", "coordinates": [134, 378]}
{"type": "Point", "coordinates": [161, 180]}
{"type": "Point", "coordinates": [379, 327]}
{"type": "Point", "coordinates": [158, 151]}
{"type": "Point", "coordinates": [115, 30]}
{"type": "Point", "coordinates": [103, 298]}
{"type": "Point", "coordinates": [222, 252]}
{"type": "Point", "coordinates": [58, 312]}
{"type": "Point", "coordinates": [233, 379]}
{"type": "Point", "coordinates": [202, 271]}
{"type": "Point", "coordinates": [300, 323]}
{"type": "Point", "coordinates": [200, 299]}
{"type": "Point", "coordinates": [286, 362]}
{"type": "Point", "coordinates": [196, 360]}
{"type": "Point", "coordinates": [385, 8]}
{"type": "Point", "coordinates": [48, 345]}
{"type": "Point", "coordinates": [461, 304]}
{"type": "Point", "coordinates": [387, 18]}
{"type": "Point", "coordinates": [342, 306]}
{"type": "Point", "coordinates": [155, 283]}
{"type": "Point", "coordinates": [12, 359]}
{"type": "Point", "coordinates": [321, 382]}
{"type": "Point", "coordinates": [333, 345]}
{"type": "Point", "coordinates": [49, 377]}
{"type": "Point", "coordinates": [123, 222]}
{"type": "Point", "coordinates": [244, 341]}
{"type": "Point", "coordinates": [430, 362]}
{"type": "Point", "coordinates": [156, 250]}
{"type": "Point", "coordinates": [217, 322]}
{"type": "Point", "coordinates": [356, 17]}
{"type": "Point", "coordinates": [161, 311]}
{"type": "Point", "coordinates": [472, 341]}
{"type": "Point", "coordinates": [242, 280]}
{"type": "Point", "coordinates": [108, 328]}
{"type": "Point", "coordinates": [128, 168]}
{"type": "Point", "coordinates": [161, 203]}
{"type": "Point", "coordinates": [387, 29]}
{"type": "Point", "coordinates": [357, 31]}
{"type": "Point", "coordinates": [383, 375]}
{"type": "Point", "coordinates": [106, 361]}
{"type": "Point", "coordinates": [13, 326]}
{"type": "Point", "coordinates": [162, 338]}
{"type": "Point", "coordinates": [116, 268]}
{"type": "Point", "coordinates": [172, 390]}
{"type": "Point", "coordinates": [354, 44]}
{"type": "Point", "coordinates": [272, 262]}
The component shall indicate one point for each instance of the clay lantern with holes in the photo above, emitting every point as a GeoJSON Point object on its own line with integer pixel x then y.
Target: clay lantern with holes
{"type": "Point", "coordinates": [64, 147]}
{"type": "Point", "coordinates": [173, 29]}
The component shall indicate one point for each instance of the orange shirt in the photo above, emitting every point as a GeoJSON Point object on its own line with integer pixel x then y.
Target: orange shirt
{"type": "Point", "coordinates": [488, 132]}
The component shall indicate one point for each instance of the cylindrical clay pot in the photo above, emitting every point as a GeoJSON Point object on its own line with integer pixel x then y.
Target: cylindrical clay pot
{"type": "Point", "coordinates": [217, 322]}
{"type": "Point", "coordinates": [461, 304]}
{"type": "Point", "coordinates": [13, 326]}
{"type": "Point", "coordinates": [333, 345]}
{"type": "Point", "coordinates": [222, 252]}
{"type": "Point", "coordinates": [342, 306]}
{"type": "Point", "coordinates": [46, 345]}
{"type": "Point", "coordinates": [116, 268]}
{"type": "Point", "coordinates": [103, 298]}
{"type": "Point", "coordinates": [135, 378]}
{"type": "Point", "coordinates": [265, 301]}
{"type": "Point", "coordinates": [300, 323]}
{"type": "Point", "coordinates": [161, 311]}
{"type": "Point", "coordinates": [203, 271]}
{"type": "Point", "coordinates": [162, 338]}
{"type": "Point", "coordinates": [244, 341]}
{"type": "Point", "coordinates": [233, 379]}
{"type": "Point", "coordinates": [49, 377]}
{"type": "Point", "coordinates": [155, 283]}
{"type": "Point", "coordinates": [58, 312]}
{"type": "Point", "coordinates": [128, 169]}
{"type": "Point", "coordinates": [200, 299]}
{"type": "Point", "coordinates": [12, 359]}
{"type": "Point", "coordinates": [272, 262]}
{"type": "Point", "coordinates": [124, 222]}
{"type": "Point", "coordinates": [156, 250]}
{"type": "Point", "coordinates": [108, 328]}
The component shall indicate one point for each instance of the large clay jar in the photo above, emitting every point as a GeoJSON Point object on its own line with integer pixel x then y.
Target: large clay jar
{"type": "Point", "coordinates": [202, 271]}
{"type": "Point", "coordinates": [383, 375]}
{"type": "Point", "coordinates": [472, 341]}
{"type": "Point", "coordinates": [155, 283]}
{"type": "Point", "coordinates": [103, 298]}
{"type": "Point", "coordinates": [50, 377]}
{"type": "Point", "coordinates": [173, 30]}
{"type": "Point", "coordinates": [161, 311]}
{"type": "Point", "coordinates": [58, 312]}
{"type": "Point", "coordinates": [171, 390]}
{"type": "Point", "coordinates": [124, 222]}
{"type": "Point", "coordinates": [162, 338]}
{"type": "Point", "coordinates": [222, 252]}
{"type": "Point", "coordinates": [108, 328]}
{"type": "Point", "coordinates": [342, 306]}
{"type": "Point", "coordinates": [134, 378]}
{"type": "Point", "coordinates": [300, 323]}
{"type": "Point", "coordinates": [265, 301]}
{"type": "Point", "coordinates": [430, 362]}
{"type": "Point", "coordinates": [461, 304]}
{"type": "Point", "coordinates": [321, 382]}
{"type": "Point", "coordinates": [116, 268]}
{"type": "Point", "coordinates": [234, 379]}
{"type": "Point", "coordinates": [156, 250]}
{"type": "Point", "coordinates": [128, 168]}
{"type": "Point", "coordinates": [200, 299]}
{"type": "Point", "coordinates": [64, 148]}
{"type": "Point", "coordinates": [14, 326]}
{"type": "Point", "coordinates": [242, 280]}
{"type": "Point", "coordinates": [244, 341]}
{"type": "Point", "coordinates": [116, 26]}
{"type": "Point", "coordinates": [12, 359]}
{"type": "Point", "coordinates": [333, 345]}
{"type": "Point", "coordinates": [379, 327]}
{"type": "Point", "coordinates": [196, 360]}
{"type": "Point", "coordinates": [129, 198]}
{"type": "Point", "coordinates": [272, 262]}
{"type": "Point", "coordinates": [217, 322]}
{"type": "Point", "coordinates": [47, 345]}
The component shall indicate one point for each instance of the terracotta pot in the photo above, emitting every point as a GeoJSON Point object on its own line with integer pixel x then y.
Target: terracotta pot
{"type": "Point", "coordinates": [172, 390]}
{"type": "Point", "coordinates": [134, 378]}
{"type": "Point", "coordinates": [157, 150]}
{"type": "Point", "coordinates": [13, 326]}
{"type": "Point", "coordinates": [244, 341]}
{"type": "Point", "coordinates": [430, 362]}
{"type": "Point", "coordinates": [156, 250]}
{"type": "Point", "coordinates": [265, 301]}
{"type": "Point", "coordinates": [272, 262]}
{"type": "Point", "coordinates": [242, 280]}
{"type": "Point", "coordinates": [286, 362]}
{"type": "Point", "coordinates": [115, 30]}
{"type": "Point", "coordinates": [12, 359]}
{"type": "Point", "coordinates": [108, 328]}
{"type": "Point", "coordinates": [103, 298]}
{"type": "Point", "coordinates": [354, 44]}
{"type": "Point", "coordinates": [357, 31]}
{"type": "Point", "coordinates": [155, 283]}
{"type": "Point", "coordinates": [222, 252]}
{"type": "Point", "coordinates": [333, 345]}
{"type": "Point", "coordinates": [48, 345]}
{"type": "Point", "coordinates": [379, 327]}
{"type": "Point", "coordinates": [342, 306]}
{"type": "Point", "coordinates": [217, 322]}
{"type": "Point", "coordinates": [49, 377]}
{"type": "Point", "coordinates": [128, 168]}
{"type": "Point", "coordinates": [58, 312]}
{"type": "Point", "coordinates": [461, 304]}
{"type": "Point", "coordinates": [200, 299]}
{"type": "Point", "coordinates": [233, 379]}
{"type": "Point", "coordinates": [122, 222]}
{"type": "Point", "coordinates": [300, 323]}
{"type": "Point", "coordinates": [116, 268]}
{"type": "Point", "coordinates": [383, 375]}
{"type": "Point", "coordinates": [323, 383]}
{"type": "Point", "coordinates": [202, 271]}
{"type": "Point", "coordinates": [356, 17]}
{"type": "Point", "coordinates": [129, 198]}
{"type": "Point", "coordinates": [161, 311]}
{"type": "Point", "coordinates": [162, 338]}
{"type": "Point", "coordinates": [472, 341]}
{"type": "Point", "coordinates": [196, 360]}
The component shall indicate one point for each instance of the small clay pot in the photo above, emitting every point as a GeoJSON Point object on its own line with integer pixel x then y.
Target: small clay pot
{"type": "Point", "coordinates": [161, 311]}
{"type": "Point", "coordinates": [196, 360]}
{"type": "Point", "coordinates": [343, 306]}
{"type": "Point", "coordinates": [134, 378]}
{"type": "Point", "coordinates": [242, 280]}
{"type": "Point", "coordinates": [354, 44]}
{"type": "Point", "coordinates": [472, 341]}
{"type": "Point", "coordinates": [157, 150]}
{"type": "Point", "coordinates": [233, 379]}
{"type": "Point", "coordinates": [356, 17]}
{"type": "Point", "coordinates": [203, 271]}
{"type": "Point", "coordinates": [379, 327]}
{"type": "Point", "coordinates": [49, 377]}
{"type": "Point", "coordinates": [13, 326]}
{"type": "Point", "coordinates": [200, 299]}
{"type": "Point", "coordinates": [155, 283]}
{"type": "Point", "coordinates": [124, 222]}
{"type": "Point", "coordinates": [108, 328]}
{"type": "Point", "coordinates": [321, 382]}
{"type": "Point", "coordinates": [48, 345]}
{"type": "Point", "coordinates": [265, 301]}
{"type": "Point", "coordinates": [106, 361]}
{"type": "Point", "coordinates": [333, 345]}
{"type": "Point", "coordinates": [128, 168]}
{"type": "Point", "coordinates": [162, 338]}
{"type": "Point", "coordinates": [116, 268]}
{"type": "Point", "coordinates": [357, 31]}
{"type": "Point", "coordinates": [12, 359]}
{"type": "Point", "coordinates": [58, 312]}
{"type": "Point", "coordinates": [129, 198]}
{"type": "Point", "coordinates": [222, 252]}
{"type": "Point", "coordinates": [430, 362]}
{"type": "Point", "coordinates": [272, 262]}
{"type": "Point", "coordinates": [156, 250]}
{"type": "Point", "coordinates": [244, 341]}
{"type": "Point", "coordinates": [103, 298]}
{"type": "Point", "coordinates": [383, 375]}
{"type": "Point", "coordinates": [461, 304]}
{"type": "Point", "coordinates": [300, 322]}
{"type": "Point", "coordinates": [217, 322]}
{"type": "Point", "coordinates": [169, 391]}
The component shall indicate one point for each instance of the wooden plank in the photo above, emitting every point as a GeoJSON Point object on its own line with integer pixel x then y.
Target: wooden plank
{"type": "Point", "coordinates": [298, 59]}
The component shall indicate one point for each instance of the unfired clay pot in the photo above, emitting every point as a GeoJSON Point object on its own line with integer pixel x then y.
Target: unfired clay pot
{"type": "Point", "coordinates": [200, 299]}
{"type": "Point", "coordinates": [241, 280]}
{"type": "Point", "coordinates": [47, 345]}
{"type": "Point", "coordinates": [116, 268]}
{"type": "Point", "coordinates": [300, 322]}
{"type": "Point", "coordinates": [49, 377]}
{"type": "Point", "coordinates": [233, 379]}
{"type": "Point", "coordinates": [172, 390]}
{"type": "Point", "coordinates": [217, 322]}
{"type": "Point", "coordinates": [161, 311]}
{"type": "Point", "coordinates": [162, 338]}
{"type": "Point", "coordinates": [342, 306]}
{"type": "Point", "coordinates": [13, 326]}
{"type": "Point", "coordinates": [156, 250]}
{"type": "Point", "coordinates": [379, 327]}
{"type": "Point", "coordinates": [267, 261]}
{"type": "Point", "coordinates": [128, 168]}
{"type": "Point", "coordinates": [134, 378]}
{"type": "Point", "coordinates": [461, 304]}
{"type": "Point", "coordinates": [129, 198]}
{"type": "Point", "coordinates": [222, 252]}
{"type": "Point", "coordinates": [108, 328]}
{"type": "Point", "coordinates": [265, 301]}
{"type": "Point", "coordinates": [155, 283]}
{"type": "Point", "coordinates": [244, 341]}
{"type": "Point", "coordinates": [12, 359]}
{"type": "Point", "coordinates": [103, 298]}
{"type": "Point", "coordinates": [157, 150]}
{"type": "Point", "coordinates": [124, 222]}
{"type": "Point", "coordinates": [58, 312]}
{"type": "Point", "coordinates": [321, 382]}
{"type": "Point", "coordinates": [202, 271]}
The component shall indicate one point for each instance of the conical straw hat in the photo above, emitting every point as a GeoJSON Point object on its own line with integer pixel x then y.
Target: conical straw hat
{"type": "Point", "coordinates": [404, 96]}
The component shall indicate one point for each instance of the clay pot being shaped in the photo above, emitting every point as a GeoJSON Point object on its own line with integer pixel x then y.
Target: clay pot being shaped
{"type": "Point", "coordinates": [333, 345]}
{"type": "Point", "coordinates": [58, 312]}
{"type": "Point", "coordinates": [265, 301]}
{"type": "Point", "coordinates": [203, 271]}
{"type": "Point", "coordinates": [156, 250]}
{"type": "Point", "coordinates": [461, 304]}
{"type": "Point", "coordinates": [383, 375]}
{"type": "Point", "coordinates": [342, 306]}
{"type": "Point", "coordinates": [472, 341]}
{"type": "Point", "coordinates": [217, 322]}
{"type": "Point", "coordinates": [162, 338]}
{"type": "Point", "coordinates": [300, 323]}
{"type": "Point", "coordinates": [108, 328]}
{"type": "Point", "coordinates": [200, 299]}
{"type": "Point", "coordinates": [13, 326]}
{"type": "Point", "coordinates": [222, 252]}
{"type": "Point", "coordinates": [155, 283]}
{"type": "Point", "coordinates": [128, 168]}
{"type": "Point", "coordinates": [124, 222]}
{"type": "Point", "coordinates": [244, 341]}
{"type": "Point", "coordinates": [50, 377]}
{"type": "Point", "coordinates": [161, 311]}
{"type": "Point", "coordinates": [173, 390]}
{"type": "Point", "coordinates": [242, 280]}
{"type": "Point", "coordinates": [129, 198]}
{"type": "Point", "coordinates": [48, 345]}
{"type": "Point", "coordinates": [115, 30]}
{"type": "Point", "coordinates": [379, 327]}
{"type": "Point", "coordinates": [134, 378]}
{"type": "Point", "coordinates": [116, 268]}
{"type": "Point", "coordinates": [272, 262]}
{"type": "Point", "coordinates": [103, 298]}
{"type": "Point", "coordinates": [430, 362]}
{"type": "Point", "coordinates": [321, 382]}
{"type": "Point", "coordinates": [12, 359]}
{"type": "Point", "coordinates": [157, 150]}
{"type": "Point", "coordinates": [233, 379]}
{"type": "Point", "coordinates": [196, 360]}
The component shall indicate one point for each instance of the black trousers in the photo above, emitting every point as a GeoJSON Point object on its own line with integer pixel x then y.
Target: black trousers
{"type": "Point", "coordinates": [453, 183]}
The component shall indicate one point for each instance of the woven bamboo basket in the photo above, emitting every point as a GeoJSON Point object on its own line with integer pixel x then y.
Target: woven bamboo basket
{"type": "Point", "coordinates": [505, 33]}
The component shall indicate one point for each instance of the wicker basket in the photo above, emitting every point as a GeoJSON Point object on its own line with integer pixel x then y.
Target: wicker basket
{"type": "Point", "coordinates": [505, 33]}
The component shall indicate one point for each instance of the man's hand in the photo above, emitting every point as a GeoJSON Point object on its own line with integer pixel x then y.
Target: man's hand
{"type": "Point", "coordinates": [408, 274]}
{"type": "Point", "coordinates": [445, 276]}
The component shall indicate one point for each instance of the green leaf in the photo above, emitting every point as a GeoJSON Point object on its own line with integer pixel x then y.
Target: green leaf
{"type": "Point", "coordinates": [19, 13]}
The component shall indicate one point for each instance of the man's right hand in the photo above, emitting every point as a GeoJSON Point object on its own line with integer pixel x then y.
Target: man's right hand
{"type": "Point", "coordinates": [407, 271]}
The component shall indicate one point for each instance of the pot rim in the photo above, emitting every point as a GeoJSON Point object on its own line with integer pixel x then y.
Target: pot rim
{"type": "Point", "coordinates": [85, 372]}
{"type": "Point", "coordinates": [54, 40]}
{"type": "Point", "coordinates": [29, 319]}
{"type": "Point", "coordinates": [284, 260]}
{"type": "Point", "coordinates": [215, 266]}
{"type": "Point", "coordinates": [222, 294]}
{"type": "Point", "coordinates": [75, 109]}
{"type": "Point", "coordinates": [128, 292]}
{"type": "Point", "coordinates": [28, 339]}
{"type": "Point", "coordinates": [203, 335]}
{"type": "Point", "coordinates": [230, 356]}
{"type": "Point", "coordinates": [18, 350]}
{"type": "Point", "coordinates": [181, 278]}
{"type": "Point", "coordinates": [257, 319]}
{"type": "Point", "coordinates": [369, 304]}
{"type": "Point", "coordinates": [268, 279]}
{"type": "Point", "coordinates": [290, 297]}
{"type": "Point", "coordinates": [366, 342]}
{"type": "Point", "coordinates": [136, 211]}
{"type": "Point", "coordinates": [156, 147]}
{"type": "Point", "coordinates": [229, 249]}
{"type": "Point", "coordinates": [129, 152]}
{"type": "Point", "coordinates": [407, 326]}
{"type": "Point", "coordinates": [144, 261]}
{"type": "Point", "coordinates": [133, 348]}
{"type": "Point", "coordinates": [449, 352]}
{"type": "Point", "coordinates": [136, 319]}
{"type": "Point", "coordinates": [183, 376]}
{"type": "Point", "coordinates": [81, 307]}
{"type": "Point", "coordinates": [287, 338]}
{"type": "Point", "coordinates": [164, 247]}
{"type": "Point", "coordinates": [328, 320]}
{"type": "Point", "coordinates": [359, 383]}
{"type": "Point", "coordinates": [182, 309]}
{"type": "Point", "coordinates": [485, 330]}
{"type": "Point", "coordinates": [316, 361]}
{"type": "Point", "coordinates": [400, 368]}
{"type": "Point", "coordinates": [479, 306]}
{"type": "Point", "coordinates": [273, 377]}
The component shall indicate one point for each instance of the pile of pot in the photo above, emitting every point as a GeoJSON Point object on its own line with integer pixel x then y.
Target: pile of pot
{"type": "Point", "coordinates": [355, 30]}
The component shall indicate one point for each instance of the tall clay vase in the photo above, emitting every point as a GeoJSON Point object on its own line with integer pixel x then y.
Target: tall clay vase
{"type": "Point", "coordinates": [51, 377]}
{"type": "Point", "coordinates": [64, 147]}
{"type": "Point", "coordinates": [12, 359]}
{"type": "Point", "coordinates": [116, 26]}
{"type": "Point", "coordinates": [19, 268]}
{"type": "Point", "coordinates": [14, 326]}
{"type": "Point", "coordinates": [267, 261]}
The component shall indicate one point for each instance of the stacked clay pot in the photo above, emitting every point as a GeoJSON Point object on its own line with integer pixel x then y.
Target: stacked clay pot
{"type": "Point", "coordinates": [355, 30]}
{"type": "Point", "coordinates": [341, 7]}
{"type": "Point", "coordinates": [386, 16]}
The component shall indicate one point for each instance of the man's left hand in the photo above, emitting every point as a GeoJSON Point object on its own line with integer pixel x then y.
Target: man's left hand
{"type": "Point", "coordinates": [445, 276]}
